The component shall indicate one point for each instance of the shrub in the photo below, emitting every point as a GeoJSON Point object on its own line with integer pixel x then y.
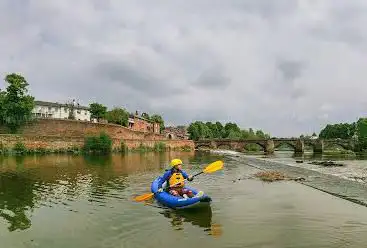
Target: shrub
{"type": "Point", "coordinates": [160, 146]}
{"type": "Point", "coordinates": [19, 147]}
{"type": "Point", "coordinates": [123, 146]}
{"type": "Point", "coordinates": [98, 144]}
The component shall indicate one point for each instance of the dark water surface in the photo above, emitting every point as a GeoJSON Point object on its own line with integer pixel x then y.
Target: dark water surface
{"type": "Point", "coordinates": [75, 201]}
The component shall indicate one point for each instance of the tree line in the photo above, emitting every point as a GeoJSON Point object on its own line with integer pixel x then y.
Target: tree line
{"type": "Point", "coordinates": [208, 130]}
{"type": "Point", "coordinates": [119, 115]}
{"type": "Point", "coordinates": [16, 107]}
{"type": "Point", "coordinates": [356, 130]}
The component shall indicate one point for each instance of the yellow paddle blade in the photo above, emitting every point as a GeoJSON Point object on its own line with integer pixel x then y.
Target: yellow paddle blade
{"type": "Point", "coordinates": [143, 197]}
{"type": "Point", "coordinates": [217, 165]}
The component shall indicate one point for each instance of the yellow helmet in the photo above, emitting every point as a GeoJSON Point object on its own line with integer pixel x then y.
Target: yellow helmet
{"type": "Point", "coordinates": [175, 162]}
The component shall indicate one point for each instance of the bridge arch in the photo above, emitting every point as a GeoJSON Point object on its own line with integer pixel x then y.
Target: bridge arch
{"type": "Point", "coordinates": [247, 145]}
{"type": "Point", "coordinates": [333, 144]}
{"type": "Point", "coordinates": [282, 143]}
{"type": "Point", "coordinates": [201, 146]}
{"type": "Point", "coordinates": [224, 146]}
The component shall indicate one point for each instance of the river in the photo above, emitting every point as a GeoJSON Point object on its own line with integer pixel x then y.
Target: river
{"type": "Point", "coordinates": [77, 201]}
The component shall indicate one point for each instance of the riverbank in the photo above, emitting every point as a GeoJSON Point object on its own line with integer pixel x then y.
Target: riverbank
{"type": "Point", "coordinates": [19, 144]}
{"type": "Point", "coordinates": [44, 136]}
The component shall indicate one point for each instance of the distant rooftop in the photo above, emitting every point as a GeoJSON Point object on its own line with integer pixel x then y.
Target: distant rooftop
{"type": "Point", "coordinates": [56, 104]}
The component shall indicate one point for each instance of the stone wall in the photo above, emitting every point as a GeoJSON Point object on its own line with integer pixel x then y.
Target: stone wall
{"type": "Point", "coordinates": [170, 144]}
{"type": "Point", "coordinates": [78, 129]}
{"type": "Point", "coordinates": [44, 142]}
{"type": "Point", "coordinates": [57, 142]}
{"type": "Point", "coordinates": [62, 134]}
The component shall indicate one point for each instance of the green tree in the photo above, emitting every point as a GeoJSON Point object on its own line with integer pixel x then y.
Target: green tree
{"type": "Point", "coordinates": [340, 130]}
{"type": "Point", "coordinates": [231, 128]}
{"type": "Point", "coordinates": [214, 132]}
{"type": "Point", "coordinates": [118, 116]}
{"type": "Point", "coordinates": [159, 119]}
{"type": "Point", "coordinates": [220, 129]}
{"type": "Point", "coordinates": [2, 109]}
{"type": "Point", "coordinates": [234, 135]}
{"type": "Point", "coordinates": [16, 104]}
{"type": "Point", "coordinates": [260, 134]}
{"type": "Point", "coordinates": [193, 130]}
{"type": "Point", "coordinates": [145, 116]}
{"type": "Point", "coordinates": [361, 132]}
{"type": "Point", "coordinates": [199, 130]}
{"type": "Point", "coordinates": [251, 132]}
{"type": "Point", "coordinates": [97, 110]}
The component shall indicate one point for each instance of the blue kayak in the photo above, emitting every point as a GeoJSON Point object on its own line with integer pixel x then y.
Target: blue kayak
{"type": "Point", "coordinates": [177, 202]}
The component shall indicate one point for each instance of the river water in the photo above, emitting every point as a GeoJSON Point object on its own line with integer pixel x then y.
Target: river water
{"type": "Point", "coordinates": [76, 201]}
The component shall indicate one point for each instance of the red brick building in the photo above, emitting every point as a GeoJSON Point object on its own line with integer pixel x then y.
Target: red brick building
{"type": "Point", "coordinates": [179, 132]}
{"type": "Point", "coordinates": [138, 123]}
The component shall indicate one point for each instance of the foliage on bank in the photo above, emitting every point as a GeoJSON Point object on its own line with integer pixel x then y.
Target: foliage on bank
{"type": "Point", "coordinates": [356, 130]}
{"type": "Point", "coordinates": [15, 104]}
{"type": "Point", "coordinates": [119, 115]}
{"type": "Point", "coordinates": [98, 144]}
{"type": "Point", "coordinates": [200, 130]}
{"type": "Point", "coordinates": [339, 130]}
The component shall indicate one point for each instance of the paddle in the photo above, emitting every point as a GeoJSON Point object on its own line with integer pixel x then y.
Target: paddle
{"type": "Point", "coordinates": [213, 167]}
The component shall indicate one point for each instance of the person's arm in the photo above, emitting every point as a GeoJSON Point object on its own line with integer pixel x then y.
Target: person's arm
{"type": "Point", "coordinates": [163, 179]}
{"type": "Point", "coordinates": [184, 174]}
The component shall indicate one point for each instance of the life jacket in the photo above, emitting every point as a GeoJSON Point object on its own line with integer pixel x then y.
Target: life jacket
{"type": "Point", "coordinates": [175, 178]}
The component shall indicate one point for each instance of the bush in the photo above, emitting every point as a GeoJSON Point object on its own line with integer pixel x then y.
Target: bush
{"type": "Point", "coordinates": [98, 144]}
{"type": "Point", "coordinates": [123, 146]}
{"type": "Point", "coordinates": [160, 147]}
{"type": "Point", "coordinates": [19, 147]}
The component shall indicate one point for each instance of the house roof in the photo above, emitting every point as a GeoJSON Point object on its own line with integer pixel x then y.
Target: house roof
{"type": "Point", "coordinates": [56, 104]}
{"type": "Point", "coordinates": [132, 116]}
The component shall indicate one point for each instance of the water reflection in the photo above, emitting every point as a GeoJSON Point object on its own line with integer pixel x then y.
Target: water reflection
{"type": "Point", "coordinates": [16, 198]}
{"type": "Point", "coordinates": [197, 217]}
{"type": "Point", "coordinates": [70, 182]}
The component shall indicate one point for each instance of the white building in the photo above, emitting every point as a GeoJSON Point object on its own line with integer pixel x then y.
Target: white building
{"type": "Point", "coordinates": [59, 111]}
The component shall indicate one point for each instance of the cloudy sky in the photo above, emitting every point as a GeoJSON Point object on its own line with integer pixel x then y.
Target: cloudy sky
{"type": "Point", "coordinates": [285, 66]}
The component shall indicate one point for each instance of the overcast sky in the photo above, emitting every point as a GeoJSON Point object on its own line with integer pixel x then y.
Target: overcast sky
{"type": "Point", "coordinates": [285, 66]}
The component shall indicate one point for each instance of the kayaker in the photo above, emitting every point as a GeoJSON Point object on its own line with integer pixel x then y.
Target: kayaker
{"type": "Point", "coordinates": [175, 176]}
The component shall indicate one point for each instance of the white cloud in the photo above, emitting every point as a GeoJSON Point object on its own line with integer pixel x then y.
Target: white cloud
{"type": "Point", "coordinates": [285, 66]}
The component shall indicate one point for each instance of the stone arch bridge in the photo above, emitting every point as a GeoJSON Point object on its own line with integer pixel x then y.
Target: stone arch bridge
{"type": "Point", "coordinates": [269, 145]}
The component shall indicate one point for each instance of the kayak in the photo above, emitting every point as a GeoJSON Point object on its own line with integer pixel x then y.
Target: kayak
{"type": "Point", "coordinates": [178, 202]}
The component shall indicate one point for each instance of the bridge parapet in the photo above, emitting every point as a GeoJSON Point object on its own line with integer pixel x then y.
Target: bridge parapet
{"type": "Point", "coordinates": [269, 145]}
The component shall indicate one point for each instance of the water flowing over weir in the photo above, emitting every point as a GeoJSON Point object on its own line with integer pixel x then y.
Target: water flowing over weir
{"type": "Point", "coordinates": [354, 191]}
